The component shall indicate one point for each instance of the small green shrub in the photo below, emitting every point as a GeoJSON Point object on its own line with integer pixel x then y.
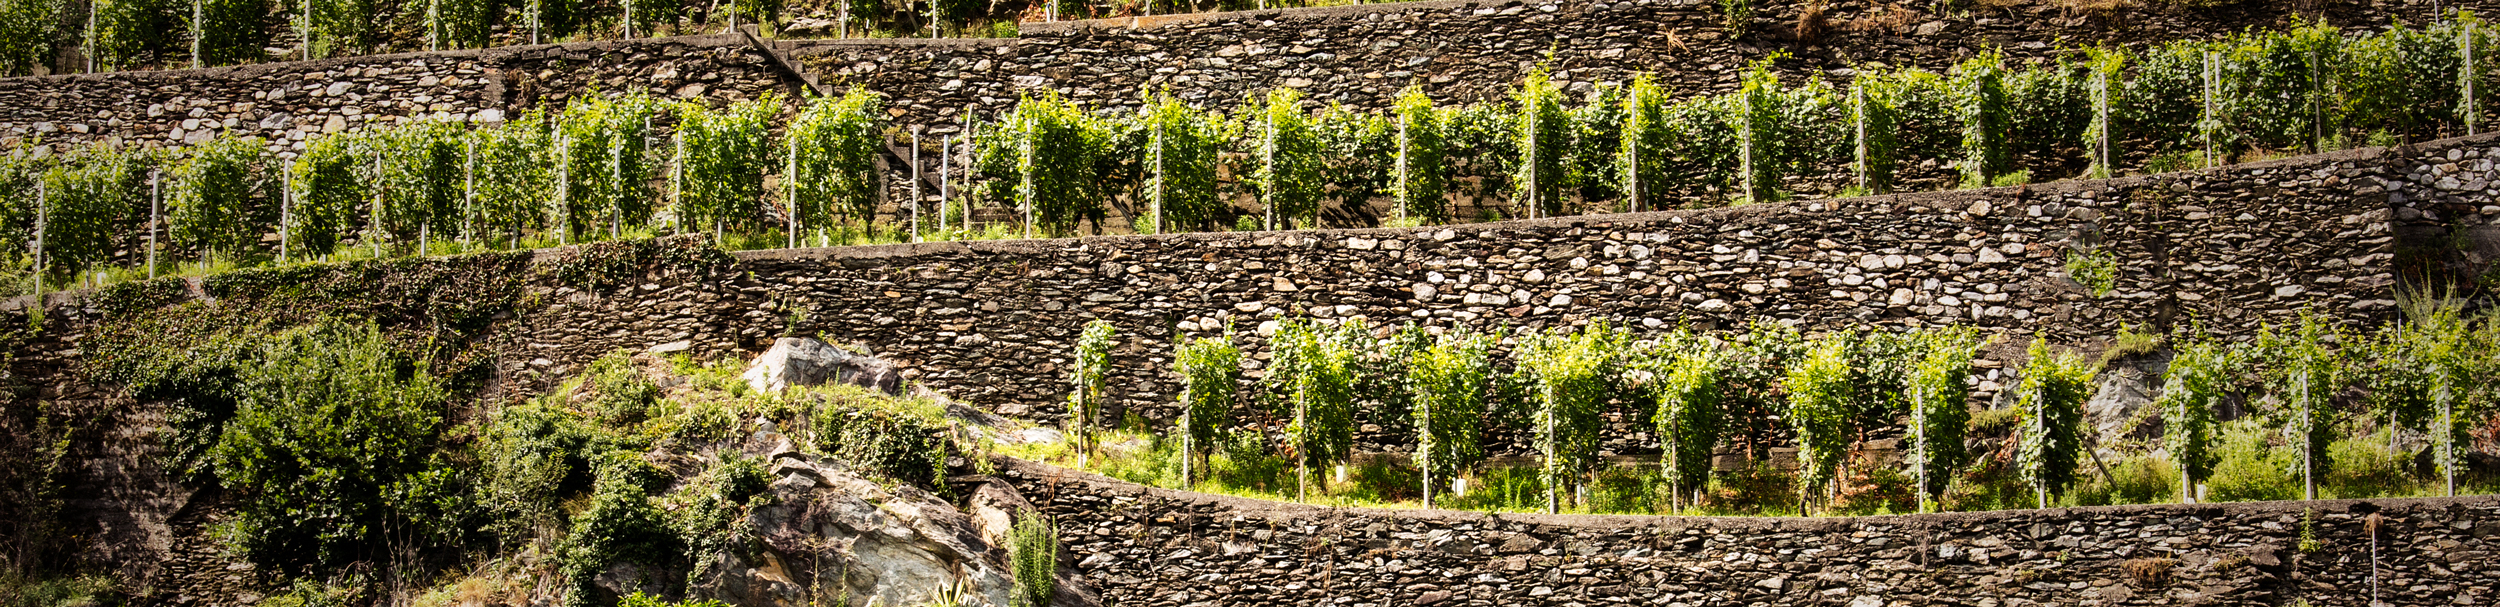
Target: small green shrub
{"type": "Point", "coordinates": [1760, 488]}
{"type": "Point", "coordinates": [1034, 553]}
{"type": "Point", "coordinates": [2172, 162]}
{"type": "Point", "coordinates": [310, 593]}
{"type": "Point", "coordinates": [533, 456]}
{"type": "Point", "coordinates": [1628, 490]}
{"type": "Point", "coordinates": [1736, 17]}
{"type": "Point", "coordinates": [897, 444]}
{"type": "Point", "coordinates": [2251, 470]}
{"type": "Point", "coordinates": [1248, 463]}
{"type": "Point", "coordinates": [622, 395]}
{"type": "Point", "coordinates": [2365, 467]}
{"type": "Point", "coordinates": [1872, 488]}
{"type": "Point", "coordinates": [2096, 270]}
{"type": "Point", "coordinates": [622, 524]}
{"type": "Point", "coordinates": [2141, 479]}
{"type": "Point", "coordinates": [20, 589]}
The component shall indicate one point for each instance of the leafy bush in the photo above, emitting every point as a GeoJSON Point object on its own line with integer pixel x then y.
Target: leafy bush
{"type": "Point", "coordinates": [1544, 138]}
{"type": "Point", "coordinates": [2196, 384]}
{"type": "Point", "coordinates": [1939, 394]}
{"type": "Point", "coordinates": [622, 524]}
{"type": "Point", "coordinates": [331, 435]}
{"type": "Point", "coordinates": [330, 188]}
{"type": "Point", "coordinates": [88, 201]}
{"type": "Point", "coordinates": [1310, 375]}
{"type": "Point", "coordinates": [1869, 488]}
{"type": "Point", "coordinates": [2366, 467]}
{"type": "Point", "coordinates": [900, 445]}
{"type": "Point", "coordinates": [2096, 270]}
{"type": "Point", "coordinates": [1759, 488]}
{"type": "Point", "coordinates": [1626, 490]}
{"type": "Point", "coordinates": [1286, 158]}
{"type": "Point", "coordinates": [604, 164]}
{"type": "Point", "coordinates": [513, 164]}
{"type": "Point", "coordinates": [722, 158]}
{"type": "Point", "coordinates": [1087, 378]}
{"type": "Point", "coordinates": [1421, 182]}
{"type": "Point", "coordinates": [534, 456]}
{"type": "Point", "coordinates": [1686, 383]}
{"type": "Point", "coordinates": [622, 395]}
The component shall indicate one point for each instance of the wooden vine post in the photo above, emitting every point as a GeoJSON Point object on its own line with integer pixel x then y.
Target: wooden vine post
{"type": "Point", "coordinates": [1027, 129]}
{"type": "Point", "coordinates": [468, 192]}
{"type": "Point", "coordinates": [2465, 77]}
{"type": "Point", "coordinates": [1267, 194]}
{"type": "Point", "coordinates": [915, 176]}
{"type": "Point", "coordinates": [156, 201]}
{"type": "Point", "coordinates": [1403, 195]}
{"type": "Point", "coordinates": [790, 198]}
{"type": "Point", "coordinates": [1157, 142]}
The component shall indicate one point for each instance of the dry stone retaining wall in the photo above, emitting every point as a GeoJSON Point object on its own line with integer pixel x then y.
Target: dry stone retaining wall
{"type": "Point", "coordinates": [1149, 547]}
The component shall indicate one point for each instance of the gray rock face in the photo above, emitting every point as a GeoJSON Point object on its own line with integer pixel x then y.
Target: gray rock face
{"type": "Point", "coordinates": [803, 361]}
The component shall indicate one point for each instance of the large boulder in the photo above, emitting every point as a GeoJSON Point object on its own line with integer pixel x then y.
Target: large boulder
{"type": "Point", "coordinates": [804, 361]}
{"type": "Point", "coordinates": [848, 539]}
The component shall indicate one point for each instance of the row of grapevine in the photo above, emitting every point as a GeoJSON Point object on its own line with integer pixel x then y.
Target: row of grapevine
{"type": "Point", "coordinates": [137, 34]}
{"type": "Point", "coordinates": [130, 34]}
{"type": "Point", "coordinates": [1823, 394]}
{"type": "Point", "coordinates": [598, 169]}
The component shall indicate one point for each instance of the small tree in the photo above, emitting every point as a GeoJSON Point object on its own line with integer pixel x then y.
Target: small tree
{"type": "Point", "coordinates": [1286, 156]}
{"type": "Point", "coordinates": [1448, 384]}
{"type": "Point", "coordinates": [1981, 104]}
{"type": "Point", "coordinates": [1034, 556]}
{"type": "Point", "coordinates": [1314, 373]}
{"type": "Point", "coordinates": [1544, 132]}
{"type": "Point", "coordinates": [1571, 376]}
{"type": "Point", "coordinates": [214, 199]}
{"type": "Point", "coordinates": [1939, 408]}
{"type": "Point", "coordinates": [1087, 379]}
{"type": "Point", "coordinates": [723, 156]}
{"type": "Point", "coordinates": [1646, 163]}
{"type": "Point", "coordinates": [836, 141]}
{"type": "Point", "coordinates": [2198, 378]}
{"type": "Point", "coordinates": [1210, 370]}
{"type": "Point", "coordinates": [1819, 403]}
{"type": "Point", "coordinates": [1059, 177]}
{"type": "Point", "coordinates": [2054, 386]}
{"type": "Point", "coordinates": [1180, 166]}
{"type": "Point", "coordinates": [1422, 178]}
{"type": "Point", "coordinates": [1687, 383]}
{"type": "Point", "coordinates": [511, 164]}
